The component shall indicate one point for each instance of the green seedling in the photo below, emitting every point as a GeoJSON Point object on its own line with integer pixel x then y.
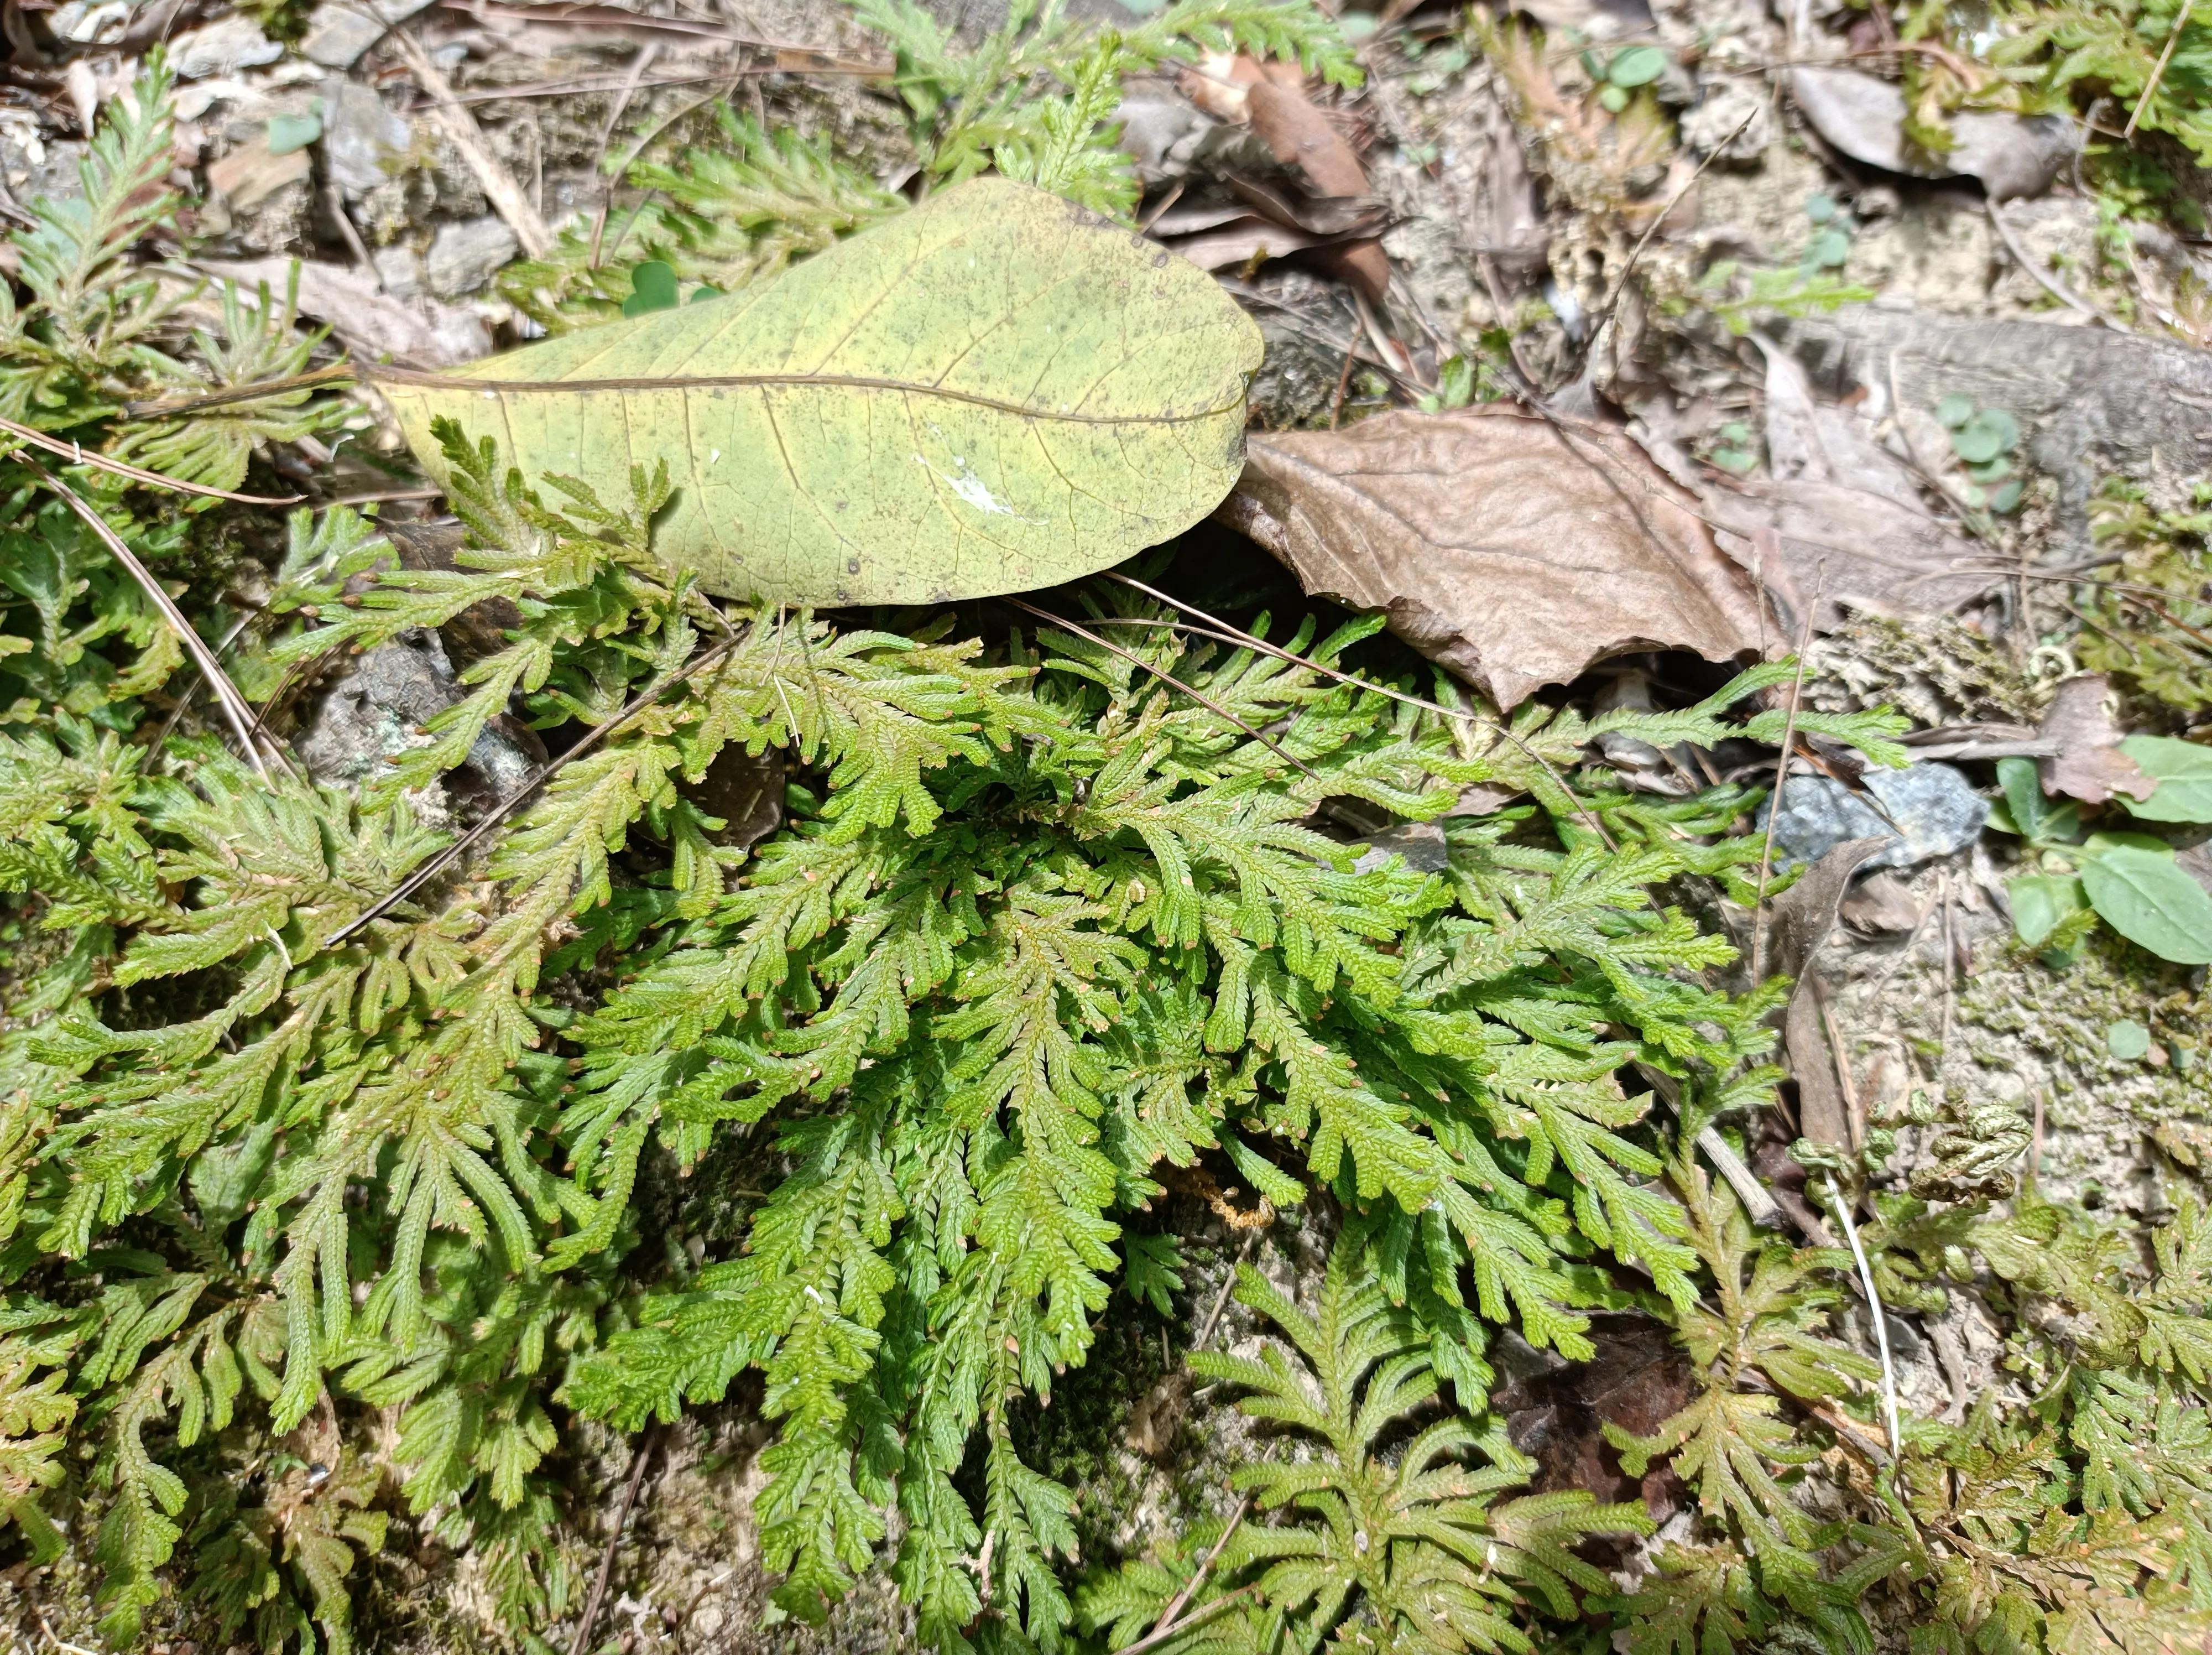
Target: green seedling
{"type": "Point", "coordinates": [288, 133]}
{"type": "Point", "coordinates": [1831, 243]}
{"type": "Point", "coordinates": [1623, 72]}
{"type": "Point", "coordinates": [1985, 440]}
{"type": "Point", "coordinates": [2071, 877]}
{"type": "Point", "coordinates": [1734, 452]}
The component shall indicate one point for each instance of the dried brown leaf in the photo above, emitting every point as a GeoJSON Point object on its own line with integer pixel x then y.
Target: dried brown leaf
{"type": "Point", "coordinates": [1299, 134]}
{"type": "Point", "coordinates": [1513, 551]}
{"type": "Point", "coordinates": [1847, 516]}
{"type": "Point", "coordinates": [2088, 764]}
{"type": "Point", "coordinates": [1864, 116]}
{"type": "Point", "coordinates": [1801, 918]}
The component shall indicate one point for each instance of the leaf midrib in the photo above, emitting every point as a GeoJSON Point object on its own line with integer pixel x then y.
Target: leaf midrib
{"type": "Point", "coordinates": [827, 381]}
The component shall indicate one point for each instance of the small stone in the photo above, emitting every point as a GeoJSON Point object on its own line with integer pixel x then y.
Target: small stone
{"type": "Point", "coordinates": [466, 255]}
{"type": "Point", "coordinates": [1420, 843]}
{"type": "Point", "coordinates": [90, 22]}
{"type": "Point", "coordinates": [250, 174]}
{"type": "Point", "coordinates": [224, 47]}
{"type": "Point", "coordinates": [337, 33]}
{"type": "Point", "coordinates": [1934, 808]}
{"type": "Point", "coordinates": [399, 268]}
{"type": "Point", "coordinates": [708, 1620]}
{"type": "Point", "coordinates": [1881, 904]}
{"type": "Point", "coordinates": [364, 143]}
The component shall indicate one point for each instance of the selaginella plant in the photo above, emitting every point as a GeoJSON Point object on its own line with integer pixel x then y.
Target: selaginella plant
{"type": "Point", "coordinates": [1393, 1544]}
{"type": "Point", "coordinates": [1042, 919]}
{"type": "Point", "coordinates": [278, 1152]}
{"type": "Point", "coordinates": [1035, 99]}
{"type": "Point", "coordinates": [323, 1161]}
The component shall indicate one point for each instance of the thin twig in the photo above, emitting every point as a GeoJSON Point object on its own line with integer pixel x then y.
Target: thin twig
{"type": "Point", "coordinates": [1621, 284]}
{"type": "Point", "coordinates": [1165, 1627]}
{"type": "Point", "coordinates": [192, 689]}
{"type": "Point", "coordinates": [334, 373]}
{"type": "Point", "coordinates": [1875, 1311]}
{"type": "Point", "coordinates": [461, 127]}
{"type": "Point", "coordinates": [76, 455]}
{"type": "Point", "coordinates": [2158, 72]}
{"type": "Point", "coordinates": [1781, 774]}
{"type": "Point", "coordinates": [1230, 633]}
{"type": "Point", "coordinates": [1760, 1206]}
{"type": "Point", "coordinates": [537, 778]}
{"type": "Point", "coordinates": [640, 1457]}
{"type": "Point", "coordinates": [233, 704]}
{"type": "Point", "coordinates": [1153, 1639]}
{"type": "Point", "coordinates": [2044, 279]}
{"type": "Point", "coordinates": [1221, 1299]}
{"type": "Point", "coordinates": [1214, 707]}
{"type": "Point", "coordinates": [334, 199]}
{"type": "Point", "coordinates": [1950, 966]}
{"type": "Point", "coordinates": [644, 60]}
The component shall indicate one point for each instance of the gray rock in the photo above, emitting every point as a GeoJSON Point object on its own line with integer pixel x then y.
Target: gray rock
{"type": "Point", "coordinates": [35, 167]}
{"type": "Point", "coordinates": [1936, 808]}
{"type": "Point", "coordinates": [364, 143]}
{"type": "Point", "coordinates": [338, 33]}
{"type": "Point", "coordinates": [1864, 116]}
{"type": "Point", "coordinates": [466, 255]}
{"type": "Point", "coordinates": [375, 712]}
{"type": "Point", "coordinates": [399, 268]}
{"type": "Point", "coordinates": [223, 47]}
{"type": "Point", "coordinates": [1420, 843]}
{"type": "Point", "coordinates": [2092, 403]}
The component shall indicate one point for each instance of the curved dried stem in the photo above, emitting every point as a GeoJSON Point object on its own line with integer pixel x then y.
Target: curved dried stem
{"type": "Point", "coordinates": [235, 706]}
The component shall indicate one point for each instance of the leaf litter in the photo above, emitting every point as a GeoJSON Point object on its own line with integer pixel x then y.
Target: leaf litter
{"type": "Point", "coordinates": [1515, 550]}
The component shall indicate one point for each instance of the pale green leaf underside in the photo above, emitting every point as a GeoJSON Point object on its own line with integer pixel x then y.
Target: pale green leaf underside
{"type": "Point", "coordinates": [996, 391]}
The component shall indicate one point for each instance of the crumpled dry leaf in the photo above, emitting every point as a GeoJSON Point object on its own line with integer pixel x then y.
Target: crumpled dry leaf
{"type": "Point", "coordinates": [1510, 222]}
{"type": "Point", "coordinates": [1241, 240]}
{"type": "Point", "coordinates": [1299, 134]}
{"type": "Point", "coordinates": [1557, 1413]}
{"type": "Point", "coordinates": [1864, 116]}
{"type": "Point", "coordinates": [416, 333]}
{"type": "Point", "coordinates": [2088, 764]}
{"type": "Point", "coordinates": [1268, 225]}
{"type": "Point", "coordinates": [1512, 550]}
{"type": "Point", "coordinates": [1847, 516]}
{"type": "Point", "coordinates": [1799, 920]}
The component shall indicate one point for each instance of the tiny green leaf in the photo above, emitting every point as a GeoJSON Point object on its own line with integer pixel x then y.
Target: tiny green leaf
{"type": "Point", "coordinates": [652, 287]}
{"type": "Point", "coordinates": [2183, 771]}
{"type": "Point", "coordinates": [1954, 411]}
{"type": "Point", "coordinates": [2039, 901]}
{"type": "Point", "coordinates": [2147, 898]}
{"type": "Point", "coordinates": [1979, 441]}
{"type": "Point", "coordinates": [289, 133]}
{"type": "Point", "coordinates": [2127, 1040]}
{"type": "Point", "coordinates": [1637, 66]}
{"type": "Point", "coordinates": [2023, 796]}
{"type": "Point", "coordinates": [1828, 250]}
